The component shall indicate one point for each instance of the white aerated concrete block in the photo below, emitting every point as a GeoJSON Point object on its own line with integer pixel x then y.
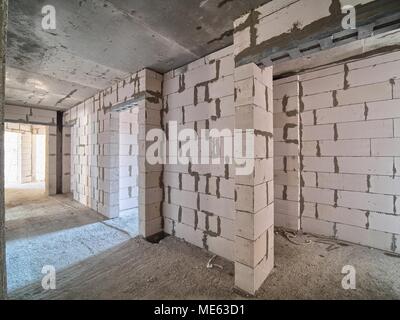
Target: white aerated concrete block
{"type": "Point", "coordinates": [365, 129]}
{"type": "Point", "coordinates": [385, 185]}
{"type": "Point", "coordinates": [366, 165]}
{"type": "Point", "coordinates": [386, 109]}
{"type": "Point", "coordinates": [372, 238]}
{"type": "Point", "coordinates": [385, 147]}
{"type": "Point", "coordinates": [384, 222]}
{"type": "Point", "coordinates": [316, 226]}
{"type": "Point", "coordinates": [366, 201]}
{"type": "Point", "coordinates": [397, 127]}
{"type": "Point", "coordinates": [368, 93]}
{"type": "Point", "coordinates": [323, 84]}
{"type": "Point", "coordinates": [341, 114]}
{"type": "Point", "coordinates": [346, 216]}
{"type": "Point", "coordinates": [354, 147]}
{"type": "Point", "coordinates": [350, 182]}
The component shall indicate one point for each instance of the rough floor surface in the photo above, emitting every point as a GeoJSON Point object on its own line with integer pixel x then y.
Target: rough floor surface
{"type": "Point", "coordinates": [173, 269]}
{"type": "Point", "coordinates": [55, 231]}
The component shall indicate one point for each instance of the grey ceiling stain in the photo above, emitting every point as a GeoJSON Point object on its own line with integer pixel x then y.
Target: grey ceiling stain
{"type": "Point", "coordinates": [98, 42]}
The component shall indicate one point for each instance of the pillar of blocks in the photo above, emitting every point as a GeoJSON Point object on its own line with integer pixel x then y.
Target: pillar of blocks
{"type": "Point", "coordinates": [51, 176]}
{"type": "Point", "coordinates": [150, 176]}
{"type": "Point", "coordinates": [254, 192]}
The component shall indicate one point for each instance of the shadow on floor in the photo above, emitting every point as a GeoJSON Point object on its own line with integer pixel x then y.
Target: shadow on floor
{"type": "Point", "coordinates": [60, 232]}
{"type": "Point", "coordinates": [47, 215]}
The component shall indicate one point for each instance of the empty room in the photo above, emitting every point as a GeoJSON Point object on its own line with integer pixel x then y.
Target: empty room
{"type": "Point", "coordinates": [200, 150]}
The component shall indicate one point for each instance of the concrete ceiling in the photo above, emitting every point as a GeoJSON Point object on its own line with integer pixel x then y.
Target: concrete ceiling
{"type": "Point", "coordinates": [98, 42]}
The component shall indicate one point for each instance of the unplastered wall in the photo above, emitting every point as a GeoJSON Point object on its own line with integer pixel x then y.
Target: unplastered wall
{"type": "Point", "coordinates": [94, 155]}
{"type": "Point", "coordinates": [94, 141]}
{"type": "Point", "coordinates": [286, 153]}
{"type": "Point", "coordinates": [28, 115]}
{"type": "Point", "coordinates": [349, 150]}
{"type": "Point", "coordinates": [128, 160]}
{"type": "Point", "coordinates": [51, 160]}
{"type": "Point", "coordinates": [66, 158]}
{"type": "Point", "coordinates": [199, 199]}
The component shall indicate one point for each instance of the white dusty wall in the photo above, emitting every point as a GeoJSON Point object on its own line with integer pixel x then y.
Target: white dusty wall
{"type": "Point", "coordinates": [348, 124]}
{"type": "Point", "coordinates": [66, 166]}
{"type": "Point", "coordinates": [345, 139]}
{"type": "Point", "coordinates": [38, 131]}
{"type": "Point", "coordinates": [95, 147]}
{"type": "Point", "coordinates": [198, 204]}
{"type": "Point", "coordinates": [199, 198]}
{"type": "Point", "coordinates": [286, 153]}
{"type": "Point", "coordinates": [29, 115]}
{"type": "Point", "coordinates": [128, 160]}
{"type": "Point", "coordinates": [51, 160]}
{"type": "Point", "coordinates": [94, 156]}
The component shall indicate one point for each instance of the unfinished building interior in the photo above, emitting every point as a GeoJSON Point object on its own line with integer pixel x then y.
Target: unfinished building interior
{"type": "Point", "coordinates": [86, 98]}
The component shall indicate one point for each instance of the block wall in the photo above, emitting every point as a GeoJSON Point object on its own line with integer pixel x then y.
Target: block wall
{"type": "Point", "coordinates": [66, 156]}
{"type": "Point", "coordinates": [349, 150]}
{"type": "Point", "coordinates": [36, 130]}
{"type": "Point", "coordinates": [199, 199]}
{"type": "Point", "coordinates": [51, 160]}
{"type": "Point", "coordinates": [95, 143]}
{"type": "Point", "coordinates": [287, 153]}
{"type": "Point", "coordinates": [128, 160]}
{"type": "Point", "coordinates": [29, 115]}
{"type": "Point", "coordinates": [94, 155]}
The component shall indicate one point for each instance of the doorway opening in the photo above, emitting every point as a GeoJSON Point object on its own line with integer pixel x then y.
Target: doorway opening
{"type": "Point", "coordinates": [24, 163]}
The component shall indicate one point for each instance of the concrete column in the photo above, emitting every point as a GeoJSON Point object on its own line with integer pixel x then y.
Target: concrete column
{"type": "Point", "coordinates": [254, 191]}
{"type": "Point", "coordinates": [3, 41]}
{"type": "Point", "coordinates": [150, 176]}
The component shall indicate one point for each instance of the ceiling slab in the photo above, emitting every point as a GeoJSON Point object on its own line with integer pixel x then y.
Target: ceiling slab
{"type": "Point", "coordinates": [98, 42]}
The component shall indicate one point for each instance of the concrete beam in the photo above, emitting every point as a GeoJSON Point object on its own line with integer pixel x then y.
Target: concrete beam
{"type": "Point", "coordinates": [3, 41]}
{"type": "Point", "coordinates": [300, 22]}
{"type": "Point", "coordinates": [379, 44]}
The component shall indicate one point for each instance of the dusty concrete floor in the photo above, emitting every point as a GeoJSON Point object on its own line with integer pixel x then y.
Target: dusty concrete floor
{"type": "Point", "coordinates": [55, 231]}
{"type": "Point", "coordinates": [173, 269]}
